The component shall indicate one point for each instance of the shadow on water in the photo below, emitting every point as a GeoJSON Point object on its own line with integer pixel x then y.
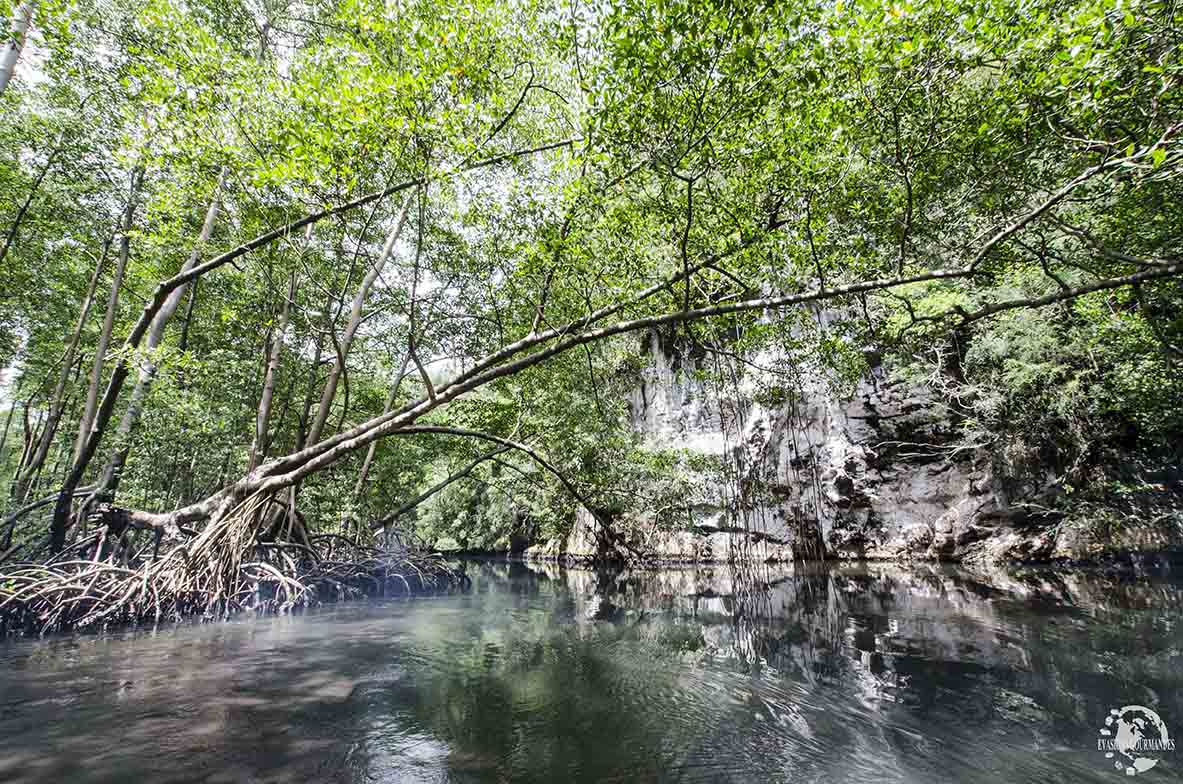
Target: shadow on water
{"type": "Point", "coordinates": [538, 673]}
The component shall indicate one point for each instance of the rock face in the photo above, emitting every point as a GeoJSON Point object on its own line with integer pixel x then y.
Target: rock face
{"type": "Point", "coordinates": [875, 472]}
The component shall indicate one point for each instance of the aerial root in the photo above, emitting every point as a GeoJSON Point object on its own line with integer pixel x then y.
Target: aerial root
{"type": "Point", "coordinates": [221, 571]}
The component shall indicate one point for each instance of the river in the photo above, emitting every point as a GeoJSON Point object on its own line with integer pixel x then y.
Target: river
{"type": "Point", "coordinates": [839, 674]}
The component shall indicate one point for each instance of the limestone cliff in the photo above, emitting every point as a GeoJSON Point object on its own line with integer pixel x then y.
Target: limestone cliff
{"type": "Point", "coordinates": [876, 471]}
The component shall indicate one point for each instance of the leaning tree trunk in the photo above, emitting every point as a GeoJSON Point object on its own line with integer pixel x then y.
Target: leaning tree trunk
{"type": "Point", "coordinates": [56, 401]}
{"type": "Point", "coordinates": [15, 226]}
{"type": "Point", "coordinates": [104, 344]}
{"type": "Point", "coordinates": [109, 478]}
{"type": "Point", "coordinates": [8, 418]}
{"type": "Point", "coordinates": [539, 346]}
{"type": "Point", "coordinates": [364, 473]}
{"type": "Point", "coordinates": [343, 346]}
{"type": "Point", "coordinates": [310, 392]}
{"type": "Point", "coordinates": [263, 414]}
{"type": "Point", "coordinates": [355, 319]}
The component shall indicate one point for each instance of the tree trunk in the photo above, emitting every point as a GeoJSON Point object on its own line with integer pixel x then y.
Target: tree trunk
{"type": "Point", "coordinates": [346, 343]}
{"type": "Point", "coordinates": [10, 237]}
{"type": "Point", "coordinates": [18, 32]}
{"type": "Point", "coordinates": [8, 421]}
{"type": "Point", "coordinates": [183, 345]}
{"type": "Point", "coordinates": [109, 479]}
{"type": "Point", "coordinates": [310, 392]}
{"type": "Point", "coordinates": [106, 407]}
{"type": "Point", "coordinates": [355, 318]}
{"type": "Point", "coordinates": [13, 403]}
{"type": "Point", "coordinates": [263, 415]}
{"type": "Point", "coordinates": [56, 402]}
{"type": "Point", "coordinates": [364, 473]}
{"type": "Point", "coordinates": [100, 355]}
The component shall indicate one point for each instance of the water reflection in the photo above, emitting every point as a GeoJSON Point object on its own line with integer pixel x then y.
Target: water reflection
{"type": "Point", "coordinates": [542, 674]}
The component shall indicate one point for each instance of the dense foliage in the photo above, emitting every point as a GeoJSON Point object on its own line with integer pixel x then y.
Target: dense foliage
{"type": "Point", "coordinates": [484, 201]}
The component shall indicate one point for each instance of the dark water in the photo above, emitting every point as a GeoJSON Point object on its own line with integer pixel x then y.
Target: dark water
{"type": "Point", "coordinates": [880, 674]}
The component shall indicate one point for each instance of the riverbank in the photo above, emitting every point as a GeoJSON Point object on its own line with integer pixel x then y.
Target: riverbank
{"type": "Point", "coordinates": [1101, 539]}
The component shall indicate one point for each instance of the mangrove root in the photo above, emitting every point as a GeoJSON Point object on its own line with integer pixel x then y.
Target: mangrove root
{"type": "Point", "coordinates": [222, 570]}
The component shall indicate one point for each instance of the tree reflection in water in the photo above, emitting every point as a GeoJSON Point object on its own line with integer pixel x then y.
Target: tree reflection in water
{"type": "Point", "coordinates": [768, 674]}
{"type": "Point", "coordinates": [543, 674]}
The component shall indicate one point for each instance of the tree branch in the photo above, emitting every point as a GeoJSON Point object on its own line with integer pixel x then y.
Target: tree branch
{"type": "Point", "coordinates": [437, 487]}
{"type": "Point", "coordinates": [508, 444]}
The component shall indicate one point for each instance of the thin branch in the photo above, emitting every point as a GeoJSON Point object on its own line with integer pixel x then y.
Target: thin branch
{"type": "Point", "coordinates": [1061, 194]}
{"type": "Point", "coordinates": [436, 488]}
{"type": "Point", "coordinates": [509, 444]}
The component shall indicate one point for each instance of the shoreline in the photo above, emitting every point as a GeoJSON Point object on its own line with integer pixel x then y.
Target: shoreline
{"type": "Point", "coordinates": [1165, 560]}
